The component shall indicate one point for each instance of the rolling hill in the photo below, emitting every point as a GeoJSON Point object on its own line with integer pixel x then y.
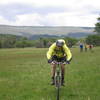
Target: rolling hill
{"type": "Point", "coordinates": [31, 31]}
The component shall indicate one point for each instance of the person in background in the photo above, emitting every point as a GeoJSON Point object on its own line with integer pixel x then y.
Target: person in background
{"type": "Point", "coordinates": [81, 47]}
{"type": "Point", "coordinates": [86, 47]}
{"type": "Point", "coordinates": [90, 47]}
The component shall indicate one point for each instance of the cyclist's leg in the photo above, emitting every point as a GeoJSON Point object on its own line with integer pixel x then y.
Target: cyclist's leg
{"type": "Point", "coordinates": [63, 59]}
{"type": "Point", "coordinates": [63, 72]}
{"type": "Point", "coordinates": [53, 68]}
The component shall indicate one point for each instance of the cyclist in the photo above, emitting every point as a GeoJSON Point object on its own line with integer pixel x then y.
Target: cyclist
{"type": "Point", "coordinates": [58, 51]}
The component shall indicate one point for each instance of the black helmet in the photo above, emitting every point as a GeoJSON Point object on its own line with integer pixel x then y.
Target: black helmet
{"type": "Point", "coordinates": [60, 42]}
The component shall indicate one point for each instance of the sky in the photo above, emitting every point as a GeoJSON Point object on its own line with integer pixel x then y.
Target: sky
{"type": "Point", "coordinates": [49, 12]}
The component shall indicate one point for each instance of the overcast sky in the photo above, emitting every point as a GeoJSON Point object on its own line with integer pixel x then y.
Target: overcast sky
{"type": "Point", "coordinates": [49, 12]}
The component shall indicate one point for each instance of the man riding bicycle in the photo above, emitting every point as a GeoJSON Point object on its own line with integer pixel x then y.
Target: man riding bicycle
{"type": "Point", "coordinates": [59, 52]}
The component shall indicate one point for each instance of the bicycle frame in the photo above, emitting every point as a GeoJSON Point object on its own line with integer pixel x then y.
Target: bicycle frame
{"type": "Point", "coordinates": [58, 75]}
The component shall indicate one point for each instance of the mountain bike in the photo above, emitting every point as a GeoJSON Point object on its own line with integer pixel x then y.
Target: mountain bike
{"type": "Point", "coordinates": [58, 77]}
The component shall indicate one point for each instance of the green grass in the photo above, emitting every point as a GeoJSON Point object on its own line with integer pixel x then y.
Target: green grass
{"type": "Point", "coordinates": [25, 75]}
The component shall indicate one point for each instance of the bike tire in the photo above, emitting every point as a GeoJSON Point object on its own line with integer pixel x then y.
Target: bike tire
{"type": "Point", "coordinates": [57, 93]}
{"type": "Point", "coordinates": [58, 86]}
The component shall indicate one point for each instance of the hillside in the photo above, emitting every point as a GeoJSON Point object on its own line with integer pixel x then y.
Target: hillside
{"type": "Point", "coordinates": [29, 31]}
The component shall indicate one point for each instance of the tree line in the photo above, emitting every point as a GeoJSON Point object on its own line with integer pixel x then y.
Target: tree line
{"type": "Point", "coordinates": [12, 41]}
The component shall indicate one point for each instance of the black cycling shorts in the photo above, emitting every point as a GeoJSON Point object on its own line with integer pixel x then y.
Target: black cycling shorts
{"type": "Point", "coordinates": [55, 58]}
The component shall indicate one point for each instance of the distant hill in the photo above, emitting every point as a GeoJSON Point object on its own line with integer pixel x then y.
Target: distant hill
{"type": "Point", "coordinates": [35, 31]}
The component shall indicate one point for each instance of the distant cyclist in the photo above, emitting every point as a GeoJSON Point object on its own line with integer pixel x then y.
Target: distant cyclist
{"type": "Point", "coordinates": [59, 52]}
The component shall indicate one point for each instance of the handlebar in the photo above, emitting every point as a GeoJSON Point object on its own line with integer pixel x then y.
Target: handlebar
{"type": "Point", "coordinates": [58, 63]}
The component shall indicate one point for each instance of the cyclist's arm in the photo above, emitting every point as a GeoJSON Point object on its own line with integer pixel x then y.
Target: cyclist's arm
{"type": "Point", "coordinates": [68, 52]}
{"type": "Point", "coordinates": [51, 50]}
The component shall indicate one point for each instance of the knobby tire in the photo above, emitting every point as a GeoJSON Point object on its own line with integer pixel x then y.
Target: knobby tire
{"type": "Point", "coordinates": [58, 85]}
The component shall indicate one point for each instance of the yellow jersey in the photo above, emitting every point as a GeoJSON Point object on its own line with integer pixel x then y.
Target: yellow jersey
{"type": "Point", "coordinates": [59, 52]}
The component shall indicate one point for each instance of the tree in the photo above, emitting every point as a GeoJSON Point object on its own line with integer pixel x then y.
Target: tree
{"type": "Point", "coordinates": [97, 26]}
{"type": "Point", "coordinates": [23, 44]}
{"type": "Point", "coordinates": [93, 39]}
{"type": "Point", "coordinates": [70, 41]}
{"type": "Point", "coordinates": [0, 44]}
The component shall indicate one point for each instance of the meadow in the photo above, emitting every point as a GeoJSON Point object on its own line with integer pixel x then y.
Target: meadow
{"type": "Point", "coordinates": [25, 75]}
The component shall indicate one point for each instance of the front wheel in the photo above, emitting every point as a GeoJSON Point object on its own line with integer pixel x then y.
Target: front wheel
{"type": "Point", "coordinates": [57, 93]}
{"type": "Point", "coordinates": [57, 81]}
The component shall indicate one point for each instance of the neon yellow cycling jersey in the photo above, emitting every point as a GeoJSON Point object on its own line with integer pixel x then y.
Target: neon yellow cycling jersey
{"type": "Point", "coordinates": [59, 52]}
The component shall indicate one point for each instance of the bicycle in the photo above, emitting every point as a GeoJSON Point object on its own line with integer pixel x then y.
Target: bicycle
{"type": "Point", "coordinates": [58, 77]}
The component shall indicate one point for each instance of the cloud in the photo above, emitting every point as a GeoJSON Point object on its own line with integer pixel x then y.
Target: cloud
{"type": "Point", "coordinates": [21, 20]}
{"type": "Point", "coordinates": [9, 11]}
{"type": "Point", "coordinates": [52, 19]}
{"type": "Point", "coordinates": [4, 21]}
{"type": "Point", "coordinates": [70, 19]}
{"type": "Point", "coordinates": [49, 12]}
{"type": "Point", "coordinates": [29, 20]}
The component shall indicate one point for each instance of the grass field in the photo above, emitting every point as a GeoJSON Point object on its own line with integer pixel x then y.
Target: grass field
{"type": "Point", "coordinates": [25, 75]}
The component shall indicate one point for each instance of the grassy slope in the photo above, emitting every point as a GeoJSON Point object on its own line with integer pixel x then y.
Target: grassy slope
{"type": "Point", "coordinates": [25, 75]}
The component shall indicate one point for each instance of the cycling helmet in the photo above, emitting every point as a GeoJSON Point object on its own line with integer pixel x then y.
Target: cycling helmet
{"type": "Point", "coordinates": [60, 42]}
